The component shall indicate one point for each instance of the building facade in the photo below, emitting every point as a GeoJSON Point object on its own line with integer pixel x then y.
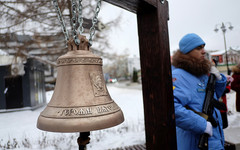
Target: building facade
{"type": "Point", "coordinates": [22, 91]}
{"type": "Point", "coordinates": [233, 56]}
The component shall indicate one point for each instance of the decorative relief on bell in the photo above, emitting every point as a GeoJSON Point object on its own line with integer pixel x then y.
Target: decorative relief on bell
{"type": "Point", "coordinates": [98, 84]}
{"type": "Point", "coordinates": [80, 112]}
{"type": "Point", "coordinates": [79, 61]}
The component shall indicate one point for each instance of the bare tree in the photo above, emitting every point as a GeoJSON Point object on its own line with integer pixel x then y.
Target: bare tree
{"type": "Point", "coordinates": [32, 26]}
{"type": "Point", "coordinates": [117, 68]}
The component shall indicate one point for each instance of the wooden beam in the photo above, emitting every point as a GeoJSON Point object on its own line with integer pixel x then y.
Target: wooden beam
{"type": "Point", "coordinates": [156, 77]}
{"type": "Point", "coordinates": [132, 5]}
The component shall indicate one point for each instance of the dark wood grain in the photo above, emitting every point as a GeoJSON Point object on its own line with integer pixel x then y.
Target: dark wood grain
{"type": "Point", "coordinates": [156, 77]}
{"type": "Point", "coordinates": [131, 5]}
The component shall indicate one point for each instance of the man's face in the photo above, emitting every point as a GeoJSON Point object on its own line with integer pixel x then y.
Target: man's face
{"type": "Point", "coordinates": [198, 53]}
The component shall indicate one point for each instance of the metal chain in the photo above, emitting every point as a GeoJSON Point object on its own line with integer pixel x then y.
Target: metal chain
{"type": "Point", "coordinates": [80, 17]}
{"type": "Point", "coordinates": [94, 21]}
{"type": "Point", "coordinates": [74, 22]}
{"type": "Point", "coordinates": [80, 21]}
{"type": "Point", "coordinates": [60, 18]}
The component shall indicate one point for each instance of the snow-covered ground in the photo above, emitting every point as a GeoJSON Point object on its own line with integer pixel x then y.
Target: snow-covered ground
{"type": "Point", "coordinates": [18, 129]}
{"type": "Point", "coordinates": [232, 132]}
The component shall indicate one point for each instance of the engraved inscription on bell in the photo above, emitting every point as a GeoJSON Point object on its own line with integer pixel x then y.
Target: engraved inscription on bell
{"type": "Point", "coordinates": [98, 84]}
{"type": "Point", "coordinates": [80, 112]}
{"type": "Point", "coordinates": [75, 112]}
{"type": "Point", "coordinates": [103, 109]}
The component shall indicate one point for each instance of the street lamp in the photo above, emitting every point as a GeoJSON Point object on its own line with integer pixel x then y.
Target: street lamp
{"type": "Point", "coordinates": [224, 29]}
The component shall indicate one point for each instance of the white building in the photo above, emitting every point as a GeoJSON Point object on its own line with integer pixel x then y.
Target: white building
{"type": "Point", "coordinates": [220, 56]}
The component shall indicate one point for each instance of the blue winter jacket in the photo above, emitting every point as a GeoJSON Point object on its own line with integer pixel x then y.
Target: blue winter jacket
{"type": "Point", "coordinates": [189, 90]}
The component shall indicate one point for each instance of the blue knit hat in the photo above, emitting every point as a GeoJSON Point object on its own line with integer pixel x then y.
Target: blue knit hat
{"type": "Point", "coordinates": [189, 42]}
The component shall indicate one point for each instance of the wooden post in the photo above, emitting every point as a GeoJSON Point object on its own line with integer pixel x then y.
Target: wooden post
{"type": "Point", "coordinates": [156, 77]}
{"type": "Point", "coordinates": [152, 17]}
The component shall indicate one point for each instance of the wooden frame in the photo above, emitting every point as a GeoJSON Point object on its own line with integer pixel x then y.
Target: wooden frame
{"type": "Point", "coordinates": [152, 17]}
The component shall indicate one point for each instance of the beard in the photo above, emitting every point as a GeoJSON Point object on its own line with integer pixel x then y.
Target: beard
{"type": "Point", "coordinates": [190, 64]}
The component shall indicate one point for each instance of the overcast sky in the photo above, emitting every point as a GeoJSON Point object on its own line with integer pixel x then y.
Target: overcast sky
{"type": "Point", "coordinates": [186, 16]}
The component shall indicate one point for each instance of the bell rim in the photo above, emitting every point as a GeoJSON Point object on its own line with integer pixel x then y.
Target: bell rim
{"type": "Point", "coordinates": [81, 125]}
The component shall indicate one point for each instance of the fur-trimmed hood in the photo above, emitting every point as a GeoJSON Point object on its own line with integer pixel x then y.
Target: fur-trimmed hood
{"type": "Point", "coordinates": [236, 69]}
{"type": "Point", "coordinates": [190, 64]}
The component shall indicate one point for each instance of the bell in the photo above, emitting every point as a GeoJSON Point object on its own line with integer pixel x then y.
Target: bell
{"type": "Point", "coordinates": [80, 101]}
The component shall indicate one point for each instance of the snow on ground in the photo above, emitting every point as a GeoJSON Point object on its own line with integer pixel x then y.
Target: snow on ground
{"type": "Point", "coordinates": [234, 116]}
{"type": "Point", "coordinates": [232, 132]}
{"type": "Point", "coordinates": [18, 129]}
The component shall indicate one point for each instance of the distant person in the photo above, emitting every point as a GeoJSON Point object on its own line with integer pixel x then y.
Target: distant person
{"type": "Point", "coordinates": [224, 100]}
{"type": "Point", "coordinates": [215, 62]}
{"type": "Point", "coordinates": [236, 84]}
{"type": "Point", "coordinates": [190, 78]}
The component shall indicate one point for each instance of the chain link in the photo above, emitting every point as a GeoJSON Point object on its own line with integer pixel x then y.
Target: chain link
{"type": "Point", "coordinates": [60, 18]}
{"type": "Point", "coordinates": [74, 22]}
{"type": "Point", "coordinates": [94, 21]}
{"type": "Point", "coordinates": [80, 17]}
{"type": "Point", "coordinates": [77, 20]}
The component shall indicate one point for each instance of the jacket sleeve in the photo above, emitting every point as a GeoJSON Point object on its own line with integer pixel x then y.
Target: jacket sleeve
{"type": "Point", "coordinates": [220, 86]}
{"type": "Point", "coordinates": [235, 85]}
{"type": "Point", "coordinates": [185, 118]}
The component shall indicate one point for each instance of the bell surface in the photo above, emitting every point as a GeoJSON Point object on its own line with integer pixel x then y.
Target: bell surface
{"type": "Point", "coordinates": [80, 101]}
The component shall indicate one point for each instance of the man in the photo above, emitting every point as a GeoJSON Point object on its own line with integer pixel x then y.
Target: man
{"type": "Point", "coordinates": [190, 77]}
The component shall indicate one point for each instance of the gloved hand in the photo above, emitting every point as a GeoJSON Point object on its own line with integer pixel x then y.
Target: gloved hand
{"type": "Point", "coordinates": [229, 78]}
{"type": "Point", "coordinates": [208, 129]}
{"type": "Point", "coordinates": [215, 71]}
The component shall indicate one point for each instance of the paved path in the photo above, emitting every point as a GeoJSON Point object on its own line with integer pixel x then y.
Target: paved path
{"type": "Point", "coordinates": [134, 147]}
{"type": "Point", "coordinates": [232, 135]}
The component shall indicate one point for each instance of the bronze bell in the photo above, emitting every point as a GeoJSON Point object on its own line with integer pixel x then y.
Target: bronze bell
{"type": "Point", "coordinates": [80, 101]}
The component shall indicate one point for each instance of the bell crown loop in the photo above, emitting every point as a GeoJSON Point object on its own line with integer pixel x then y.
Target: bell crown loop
{"type": "Point", "coordinates": [84, 44]}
